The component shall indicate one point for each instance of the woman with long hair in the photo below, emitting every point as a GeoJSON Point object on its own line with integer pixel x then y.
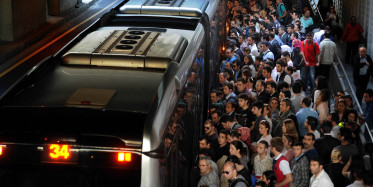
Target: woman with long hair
{"type": "Point", "coordinates": [264, 130]}
{"type": "Point", "coordinates": [350, 115]}
{"type": "Point", "coordinates": [275, 107]}
{"type": "Point", "coordinates": [322, 105]}
{"type": "Point", "coordinates": [288, 127]}
{"type": "Point", "coordinates": [251, 85]}
{"type": "Point", "coordinates": [288, 143]}
{"type": "Point", "coordinates": [248, 60]}
{"type": "Point", "coordinates": [267, 113]}
{"type": "Point", "coordinates": [321, 83]}
{"type": "Point", "coordinates": [237, 149]}
{"type": "Point", "coordinates": [340, 109]}
{"type": "Point", "coordinates": [230, 74]}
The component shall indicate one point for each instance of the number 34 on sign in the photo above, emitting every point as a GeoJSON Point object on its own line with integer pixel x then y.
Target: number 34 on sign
{"type": "Point", "coordinates": [59, 151]}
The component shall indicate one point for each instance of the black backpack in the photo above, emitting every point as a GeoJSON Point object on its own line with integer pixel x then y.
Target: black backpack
{"type": "Point", "coordinates": [238, 180]}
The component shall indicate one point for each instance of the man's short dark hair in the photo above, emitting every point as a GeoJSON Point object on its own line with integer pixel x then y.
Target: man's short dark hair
{"type": "Point", "coordinates": [277, 143]}
{"type": "Point", "coordinates": [268, 69]}
{"type": "Point", "coordinates": [306, 101]}
{"type": "Point", "coordinates": [206, 138]}
{"type": "Point", "coordinates": [218, 112]}
{"type": "Point", "coordinates": [229, 85]}
{"type": "Point", "coordinates": [322, 26]}
{"type": "Point", "coordinates": [223, 131]}
{"type": "Point", "coordinates": [243, 96]}
{"type": "Point", "coordinates": [234, 133]}
{"type": "Point", "coordinates": [287, 93]}
{"type": "Point", "coordinates": [271, 34]}
{"type": "Point", "coordinates": [252, 28]}
{"type": "Point", "coordinates": [310, 134]}
{"type": "Point", "coordinates": [297, 87]}
{"type": "Point", "coordinates": [317, 159]}
{"type": "Point", "coordinates": [241, 80]}
{"type": "Point", "coordinates": [296, 35]}
{"type": "Point", "coordinates": [287, 102]}
{"type": "Point", "coordinates": [312, 122]}
{"type": "Point", "coordinates": [326, 126]}
{"type": "Point", "coordinates": [265, 143]}
{"type": "Point", "coordinates": [259, 58]}
{"type": "Point", "coordinates": [290, 69]}
{"type": "Point", "coordinates": [226, 117]}
{"type": "Point", "coordinates": [272, 83]}
{"type": "Point", "coordinates": [327, 35]}
{"type": "Point", "coordinates": [258, 104]}
{"type": "Point", "coordinates": [262, 83]}
{"type": "Point", "coordinates": [309, 34]}
{"type": "Point", "coordinates": [285, 53]}
{"type": "Point", "coordinates": [281, 62]}
{"type": "Point", "coordinates": [215, 91]}
{"type": "Point", "coordinates": [369, 92]}
{"type": "Point", "coordinates": [298, 143]}
{"type": "Point", "coordinates": [234, 105]}
{"type": "Point", "coordinates": [265, 43]}
{"type": "Point", "coordinates": [282, 85]}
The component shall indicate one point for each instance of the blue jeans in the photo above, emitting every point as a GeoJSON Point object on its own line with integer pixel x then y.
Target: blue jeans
{"type": "Point", "coordinates": [309, 76]}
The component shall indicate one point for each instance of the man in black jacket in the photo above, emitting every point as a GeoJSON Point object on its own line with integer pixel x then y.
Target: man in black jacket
{"type": "Point", "coordinates": [263, 95]}
{"type": "Point", "coordinates": [362, 70]}
{"type": "Point", "coordinates": [274, 46]}
{"type": "Point", "coordinates": [326, 144]}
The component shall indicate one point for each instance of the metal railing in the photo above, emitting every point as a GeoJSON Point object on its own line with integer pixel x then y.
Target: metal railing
{"type": "Point", "coordinates": [315, 8]}
{"type": "Point", "coordinates": [351, 91]}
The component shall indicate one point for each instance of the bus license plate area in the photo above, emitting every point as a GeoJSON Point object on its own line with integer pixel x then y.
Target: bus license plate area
{"type": "Point", "coordinates": [59, 154]}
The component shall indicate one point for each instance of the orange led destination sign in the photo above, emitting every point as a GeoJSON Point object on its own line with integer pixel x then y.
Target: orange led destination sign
{"type": "Point", "coordinates": [57, 151]}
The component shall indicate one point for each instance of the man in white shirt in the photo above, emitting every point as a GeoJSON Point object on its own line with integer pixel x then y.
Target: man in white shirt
{"type": "Point", "coordinates": [253, 48]}
{"type": "Point", "coordinates": [320, 177]}
{"type": "Point", "coordinates": [328, 55]}
{"type": "Point", "coordinates": [358, 175]}
{"type": "Point", "coordinates": [266, 52]}
{"type": "Point", "coordinates": [317, 36]}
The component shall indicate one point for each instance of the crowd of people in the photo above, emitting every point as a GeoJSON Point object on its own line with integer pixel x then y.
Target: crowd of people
{"type": "Point", "coordinates": [271, 120]}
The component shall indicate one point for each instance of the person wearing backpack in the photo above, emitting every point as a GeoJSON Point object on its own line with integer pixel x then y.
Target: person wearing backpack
{"type": "Point", "coordinates": [234, 179]}
{"type": "Point", "coordinates": [310, 52]}
{"type": "Point", "coordinates": [281, 11]}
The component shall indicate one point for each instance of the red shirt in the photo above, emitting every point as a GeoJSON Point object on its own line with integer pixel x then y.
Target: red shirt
{"type": "Point", "coordinates": [310, 52]}
{"type": "Point", "coordinates": [352, 33]}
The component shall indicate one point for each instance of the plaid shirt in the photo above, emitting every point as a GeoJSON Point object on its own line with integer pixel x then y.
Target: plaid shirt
{"type": "Point", "coordinates": [261, 166]}
{"type": "Point", "coordinates": [300, 169]}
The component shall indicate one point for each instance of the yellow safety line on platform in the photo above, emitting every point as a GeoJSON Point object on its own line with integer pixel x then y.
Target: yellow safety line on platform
{"type": "Point", "coordinates": [53, 41]}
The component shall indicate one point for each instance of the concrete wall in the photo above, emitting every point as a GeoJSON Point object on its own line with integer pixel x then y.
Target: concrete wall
{"type": "Point", "coordinates": [18, 17]}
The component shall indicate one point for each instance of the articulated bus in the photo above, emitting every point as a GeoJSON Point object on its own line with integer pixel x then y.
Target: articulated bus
{"type": "Point", "coordinates": [122, 104]}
